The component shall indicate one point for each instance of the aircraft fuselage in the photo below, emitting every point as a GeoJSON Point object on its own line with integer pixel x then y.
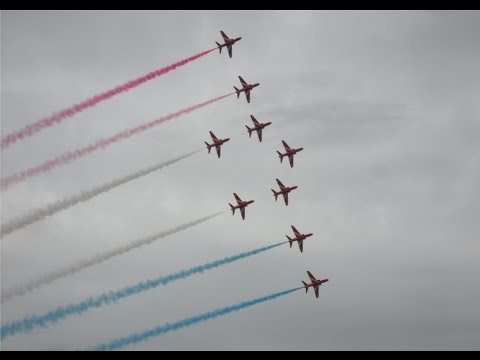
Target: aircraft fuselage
{"type": "Point", "coordinates": [261, 126]}
{"type": "Point", "coordinates": [287, 189]}
{"type": "Point", "coordinates": [315, 283]}
{"type": "Point", "coordinates": [230, 42]}
{"type": "Point", "coordinates": [221, 141]}
{"type": "Point", "coordinates": [293, 151]}
{"type": "Point", "coordinates": [303, 236]}
{"type": "Point", "coordinates": [243, 204]}
{"type": "Point", "coordinates": [249, 87]}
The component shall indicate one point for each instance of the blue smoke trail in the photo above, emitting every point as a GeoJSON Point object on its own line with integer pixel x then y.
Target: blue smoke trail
{"type": "Point", "coordinates": [30, 322]}
{"type": "Point", "coordinates": [160, 330]}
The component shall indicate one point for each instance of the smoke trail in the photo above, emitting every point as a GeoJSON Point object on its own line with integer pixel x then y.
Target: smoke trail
{"type": "Point", "coordinates": [56, 118]}
{"type": "Point", "coordinates": [99, 144]}
{"type": "Point", "coordinates": [51, 209]}
{"type": "Point", "coordinates": [160, 330]}
{"type": "Point", "coordinates": [30, 322]}
{"type": "Point", "coordinates": [47, 279]}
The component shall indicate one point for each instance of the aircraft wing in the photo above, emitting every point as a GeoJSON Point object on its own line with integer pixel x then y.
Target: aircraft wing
{"type": "Point", "coordinates": [311, 276]}
{"type": "Point", "coordinates": [225, 37]}
{"type": "Point", "coordinates": [280, 184]}
{"type": "Point", "coordinates": [285, 145]}
{"type": "Point", "coordinates": [237, 197]}
{"type": "Point", "coordinates": [218, 148]}
{"type": "Point", "coordinates": [242, 211]}
{"type": "Point", "coordinates": [300, 245]}
{"type": "Point", "coordinates": [254, 120]}
{"type": "Point", "coordinates": [316, 290]}
{"type": "Point", "coordinates": [229, 47]}
{"type": "Point", "coordinates": [247, 94]}
{"type": "Point", "coordinates": [295, 231]}
{"type": "Point", "coordinates": [214, 138]}
{"type": "Point", "coordinates": [244, 83]}
{"type": "Point", "coordinates": [259, 133]}
{"type": "Point", "coordinates": [290, 158]}
{"type": "Point", "coordinates": [285, 197]}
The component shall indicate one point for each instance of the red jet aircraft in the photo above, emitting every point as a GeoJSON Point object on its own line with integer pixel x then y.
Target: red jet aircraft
{"type": "Point", "coordinates": [228, 43]}
{"type": "Point", "coordinates": [284, 190]}
{"type": "Point", "coordinates": [288, 152]}
{"type": "Point", "coordinates": [258, 127]}
{"type": "Point", "coordinates": [216, 142]}
{"type": "Point", "coordinates": [240, 205]}
{"type": "Point", "coordinates": [298, 237]}
{"type": "Point", "coordinates": [315, 283]}
{"type": "Point", "coordinates": [246, 88]}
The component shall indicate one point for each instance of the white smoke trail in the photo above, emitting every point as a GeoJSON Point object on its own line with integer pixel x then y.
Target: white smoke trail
{"type": "Point", "coordinates": [41, 213]}
{"type": "Point", "coordinates": [47, 279]}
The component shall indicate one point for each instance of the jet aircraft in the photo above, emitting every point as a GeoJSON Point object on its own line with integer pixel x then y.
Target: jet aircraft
{"type": "Point", "coordinates": [240, 205]}
{"type": "Point", "coordinates": [298, 237]}
{"type": "Point", "coordinates": [288, 152]}
{"type": "Point", "coordinates": [228, 43]}
{"type": "Point", "coordinates": [258, 128]}
{"type": "Point", "coordinates": [216, 143]}
{"type": "Point", "coordinates": [315, 283]}
{"type": "Point", "coordinates": [284, 190]}
{"type": "Point", "coordinates": [245, 88]}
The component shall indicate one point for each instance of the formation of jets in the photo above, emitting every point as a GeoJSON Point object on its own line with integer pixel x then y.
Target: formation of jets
{"type": "Point", "coordinates": [289, 152]}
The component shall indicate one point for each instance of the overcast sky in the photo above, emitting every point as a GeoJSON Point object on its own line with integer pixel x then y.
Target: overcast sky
{"type": "Point", "coordinates": [386, 105]}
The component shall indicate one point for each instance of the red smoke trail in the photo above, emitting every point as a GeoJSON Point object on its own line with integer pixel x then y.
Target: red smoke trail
{"type": "Point", "coordinates": [99, 144]}
{"type": "Point", "coordinates": [31, 129]}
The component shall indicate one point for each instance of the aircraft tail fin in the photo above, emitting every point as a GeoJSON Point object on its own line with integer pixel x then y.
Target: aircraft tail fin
{"type": "Point", "coordinates": [290, 240]}
{"type": "Point", "coordinates": [233, 208]}
{"type": "Point", "coordinates": [219, 47]}
{"type": "Point", "coordinates": [208, 146]}
{"type": "Point", "coordinates": [249, 131]}
{"type": "Point", "coordinates": [238, 92]}
{"type": "Point", "coordinates": [275, 193]}
{"type": "Point", "coordinates": [280, 156]}
{"type": "Point", "coordinates": [305, 284]}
